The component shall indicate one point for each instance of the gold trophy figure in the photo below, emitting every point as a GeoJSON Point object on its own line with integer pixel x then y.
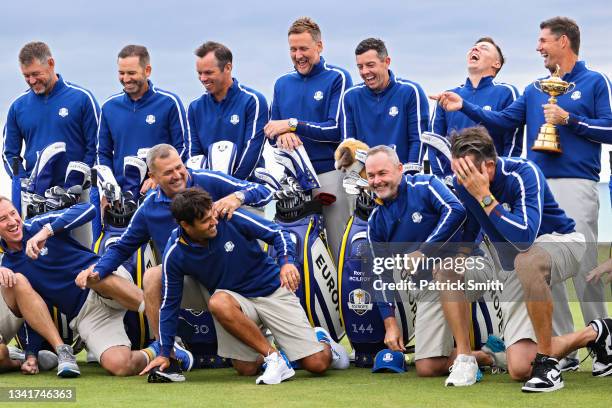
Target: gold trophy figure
{"type": "Point", "coordinates": [548, 137]}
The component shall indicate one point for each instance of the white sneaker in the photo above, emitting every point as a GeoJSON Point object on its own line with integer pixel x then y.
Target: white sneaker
{"type": "Point", "coordinates": [278, 369]}
{"type": "Point", "coordinates": [47, 360]}
{"type": "Point", "coordinates": [340, 358]}
{"type": "Point", "coordinates": [463, 372]}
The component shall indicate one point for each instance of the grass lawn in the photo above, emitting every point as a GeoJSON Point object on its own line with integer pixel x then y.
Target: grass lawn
{"type": "Point", "coordinates": [351, 388]}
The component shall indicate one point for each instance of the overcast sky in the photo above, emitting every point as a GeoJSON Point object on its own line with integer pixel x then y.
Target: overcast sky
{"type": "Point", "coordinates": [427, 41]}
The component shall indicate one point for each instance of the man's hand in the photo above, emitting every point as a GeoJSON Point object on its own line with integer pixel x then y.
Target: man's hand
{"type": "Point", "coordinates": [393, 335]}
{"type": "Point", "coordinates": [147, 185]}
{"type": "Point", "coordinates": [476, 181]}
{"type": "Point", "coordinates": [7, 277]}
{"type": "Point", "coordinates": [276, 128]}
{"type": "Point", "coordinates": [554, 114]}
{"type": "Point", "coordinates": [289, 277]}
{"type": "Point", "coordinates": [288, 141]}
{"type": "Point", "coordinates": [37, 243]}
{"type": "Point", "coordinates": [159, 361]}
{"type": "Point", "coordinates": [226, 206]}
{"type": "Point", "coordinates": [449, 101]}
{"type": "Point", "coordinates": [30, 365]}
{"type": "Point", "coordinates": [598, 273]}
{"type": "Point", "coordinates": [87, 277]}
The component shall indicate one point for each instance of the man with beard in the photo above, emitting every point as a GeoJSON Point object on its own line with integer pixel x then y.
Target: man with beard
{"type": "Point", "coordinates": [583, 118]}
{"type": "Point", "coordinates": [52, 110]}
{"type": "Point", "coordinates": [141, 116]}
{"type": "Point", "coordinates": [306, 110]}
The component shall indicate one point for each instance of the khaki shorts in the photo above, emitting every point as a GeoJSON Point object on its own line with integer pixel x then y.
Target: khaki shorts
{"type": "Point", "coordinates": [100, 322]}
{"type": "Point", "coordinates": [9, 323]}
{"type": "Point", "coordinates": [432, 334]}
{"type": "Point", "coordinates": [280, 312]}
{"type": "Point", "coordinates": [195, 295]}
{"type": "Point", "coordinates": [565, 251]}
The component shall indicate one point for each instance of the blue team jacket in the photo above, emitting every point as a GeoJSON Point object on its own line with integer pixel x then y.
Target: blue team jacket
{"type": "Point", "coordinates": [315, 101]}
{"type": "Point", "coordinates": [489, 95]}
{"type": "Point", "coordinates": [397, 115]}
{"type": "Point", "coordinates": [423, 216]}
{"type": "Point", "coordinates": [53, 274]}
{"type": "Point", "coordinates": [127, 125]}
{"type": "Point", "coordinates": [68, 114]}
{"type": "Point", "coordinates": [526, 209]}
{"type": "Point", "coordinates": [232, 260]}
{"type": "Point", "coordinates": [239, 118]}
{"type": "Point", "coordinates": [590, 123]}
{"type": "Point", "coordinates": [153, 219]}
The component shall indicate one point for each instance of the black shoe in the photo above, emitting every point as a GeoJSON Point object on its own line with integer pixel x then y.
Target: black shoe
{"type": "Point", "coordinates": [545, 375]}
{"type": "Point", "coordinates": [569, 364]}
{"type": "Point", "coordinates": [173, 373]}
{"type": "Point", "coordinates": [602, 347]}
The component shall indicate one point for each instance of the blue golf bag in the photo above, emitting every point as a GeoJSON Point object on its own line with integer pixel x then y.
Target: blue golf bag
{"type": "Point", "coordinates": [298, 212]}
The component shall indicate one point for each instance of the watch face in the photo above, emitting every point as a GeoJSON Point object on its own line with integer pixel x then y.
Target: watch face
{"type": "Point", "coordinates": [487, 200]}
{"type": "Point", "coordinates": [293, 122]}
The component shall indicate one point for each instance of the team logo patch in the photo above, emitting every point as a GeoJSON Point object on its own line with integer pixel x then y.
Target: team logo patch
{"type": "Point", "coordinates": [393, 111]}
{"type": "Point", "coordinates": [486, 107]}
{"type": "Point", "coordinates": [417, 217]}
{"type": "Point", "coordinates": [234, 119]}
{"type": "Point", "coordinates": [318, 96]}
{"type": "Point", "coordinates": [63, 112]}
{"type": "Point", "coordinates": [150, 119]}
{"type": "Point", "coordinates": [229, 246]}
{"type": "Point", "coordinates": [576, 95]}
{"type": "Point", "coordinates": [360, 301]}
{"type": "Point", "coordinates": [506, 207]}
{"type": "Point", "coordinates": [388, 357]}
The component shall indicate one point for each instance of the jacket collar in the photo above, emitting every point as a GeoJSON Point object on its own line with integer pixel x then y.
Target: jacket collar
{"type": "Point", "coordinates": [579, 67]}
{"type": "Point", "coordinates": [484, 82]}
{"type": "Point", "coordinates": [392, 83]}
{"type": "Point", "coordinates": [233, 89]}
{"type": "Point", "coordinates": [144, 97]}
{"type": "Point", "coordinates": [316, 69]}
{"type": "Point", "coordinates": [161, 197]}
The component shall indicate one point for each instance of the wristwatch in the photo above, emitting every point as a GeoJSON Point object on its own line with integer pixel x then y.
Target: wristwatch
{"type": "Point", "coordinates": [487, 200]}
{"type": "Point", "coordinates": [293, 122]}
{"type": "Point", "coordinates": [566, 119]}
{"type": "Point", "coordinates": [240, 196]}
{"type": "Point", "coordinates": [47, 226]}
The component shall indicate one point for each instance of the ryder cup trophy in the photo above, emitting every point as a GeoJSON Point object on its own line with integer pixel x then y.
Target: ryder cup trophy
{"type": "Point", "coordinates": [548, 137]}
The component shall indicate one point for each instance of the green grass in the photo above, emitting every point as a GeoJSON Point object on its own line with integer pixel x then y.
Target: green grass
{"type": "Point", "coordinates": [352, 388]}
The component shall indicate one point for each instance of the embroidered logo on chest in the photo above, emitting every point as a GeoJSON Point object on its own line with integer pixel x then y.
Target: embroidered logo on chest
{"type": "Point", "coordinates": [576, 95]}
{"type": "Point", "coordinates": [486, 107]}
{"type": "Point", "coordinates": [393, 111]}
{"type": "Point", "coordinates": [234, 119]}
{"type": "Point", "coordinates": [318, 96]}
{"type": "Point", "coordinates": [417, 217]}
{"type": "Point", "coordinates": [229, 246]}
{"type": "Point", "coordinates": [150, 119]}
{"type": "Point", "coordinates": [63, 112]}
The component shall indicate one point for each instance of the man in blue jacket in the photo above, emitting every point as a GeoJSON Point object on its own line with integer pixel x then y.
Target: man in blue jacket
{"type": "Point", "coordinates": [305, 110]}
{"type": "Point", "coordinates": [537, 246]}
{"type": "Point", "coordinates": [484, 61]}
{"type": "Point", "coordinates": [583, 118]}
{"type": "Point", "coordinates": [43, 251]}
{"type": "Point", "coordinates": [249, 290]}
{"type": "Point", "coordinates": [416, 215]}
{"type": "Point", "coordinates": [153, 220]}
{"type": "Point", "coordinates": [228, 110]}
{"type": "Point", "coordinates": [384, 108]}
{"type": "Point", "coordinates": [141, 116]}
{"type": "Point", "coordinates": [52, 110]}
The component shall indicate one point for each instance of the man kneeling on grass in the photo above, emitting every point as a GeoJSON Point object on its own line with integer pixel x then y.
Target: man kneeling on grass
{"type": "Point", "coordinates": [249, 291]}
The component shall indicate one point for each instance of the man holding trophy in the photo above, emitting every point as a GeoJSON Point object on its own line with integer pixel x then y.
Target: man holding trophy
{"type": "Point", "coordinates": [568, 116]}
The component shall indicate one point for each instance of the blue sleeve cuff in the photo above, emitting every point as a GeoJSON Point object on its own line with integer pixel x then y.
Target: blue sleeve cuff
{"type": "Point", "coordinates": [166, 350]}
{"type": "Point", "coordinates": [386, 310]}
{"type": "Point", "coordinates": [285, 259]}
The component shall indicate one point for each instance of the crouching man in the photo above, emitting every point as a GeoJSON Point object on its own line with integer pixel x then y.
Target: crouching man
{"type": "Point", "coordinates": [249, 291]}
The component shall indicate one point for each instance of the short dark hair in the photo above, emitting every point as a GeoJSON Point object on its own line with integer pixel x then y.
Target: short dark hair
{"type": "Point", "coordinates": [139, 51]}
{"type": "Point", "coordinates": [305, 25]}
{"type": "Point", "coordinates": [375, 44]}
{"type": "Point", "coordinates": [475, 141]}
{"type": "Point", "coordinates": [190, 205]}
{"type": "Point", "coordinates": [222, 53]}
{"type": "Point", "coordinates": [34, 50]}
{"type": "Point", "coordinates": [499, 51]}
{"type": "Point", "coordinates": [564, 26]}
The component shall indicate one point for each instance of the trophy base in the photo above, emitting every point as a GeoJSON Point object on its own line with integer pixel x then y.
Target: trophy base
{"type": "Point", "coordinates": [547, 140]}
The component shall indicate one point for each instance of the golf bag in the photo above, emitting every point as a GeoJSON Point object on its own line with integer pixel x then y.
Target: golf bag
{"type": "Point", "coordinates": [298, 212]}
{"type": "Point", "coordinates": [364, 326]}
